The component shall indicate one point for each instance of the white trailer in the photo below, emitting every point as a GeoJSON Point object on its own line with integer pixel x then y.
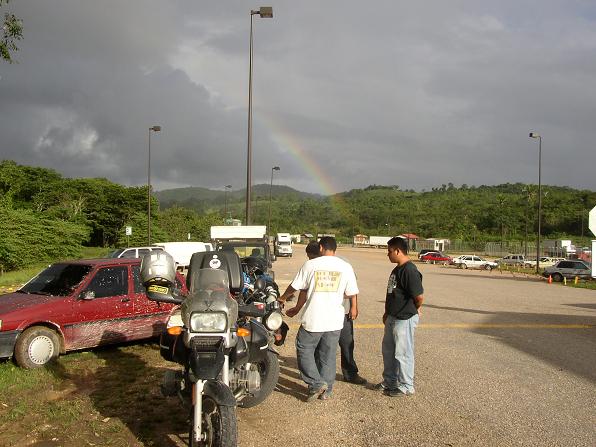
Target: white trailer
{"type": "Point", "coordinates": [238, 232]}
{"type": "Point", "coordinates": [378, 241]}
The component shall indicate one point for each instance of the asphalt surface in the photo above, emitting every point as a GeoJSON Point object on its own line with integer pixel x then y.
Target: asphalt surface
{"type": "Point", "coordinates": [501, 359]}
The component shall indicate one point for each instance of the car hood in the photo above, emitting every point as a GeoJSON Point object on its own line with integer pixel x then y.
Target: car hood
{"type": "Point", "coordinates": [16, 301]}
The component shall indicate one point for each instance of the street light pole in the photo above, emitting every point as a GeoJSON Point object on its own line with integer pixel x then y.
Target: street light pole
{"type": "Point", "coordinates": [274, 168]}
{"type": "Point", "coordinates": [264, 12]}
{"type": "Point", "coordinates": [535, 135]}
{"type": "Point", "coordinates": [154, 129]}
{"type": "Point", "coordinates": [226, 201]}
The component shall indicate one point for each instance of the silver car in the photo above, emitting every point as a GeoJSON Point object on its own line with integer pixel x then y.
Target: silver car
{"type": "Point", "coordinates": [568, 269]}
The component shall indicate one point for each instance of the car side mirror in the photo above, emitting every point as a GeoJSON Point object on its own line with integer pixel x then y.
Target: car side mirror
{"type": "Point", "coordinates": [87, 295]}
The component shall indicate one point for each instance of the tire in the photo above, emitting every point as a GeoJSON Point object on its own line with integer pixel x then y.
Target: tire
{"type": "Point", "coordinates": [269, 371]}
{"type": "Point", "coordinates": [464, 266]}
{"type": "Point", "coordinates": [557, 277]}
{"type": "Point", "coordinates": [219, 424]}
{"type": "Point", "coordinates": [36, 347]}
{"type": "Point", "coordinates": [487, 267]}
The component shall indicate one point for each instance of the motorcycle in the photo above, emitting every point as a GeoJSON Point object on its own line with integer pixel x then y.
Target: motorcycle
{"type": "Point", "coordinates": [224, 349]}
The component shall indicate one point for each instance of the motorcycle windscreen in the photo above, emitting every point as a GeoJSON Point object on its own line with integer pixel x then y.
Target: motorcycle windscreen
{"type": "Point", "coordinates": [209, 292]}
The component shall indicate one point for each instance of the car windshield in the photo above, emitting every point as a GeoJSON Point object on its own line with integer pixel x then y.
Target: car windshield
{"type": "Point", "coordinates": [245, 251]}
{"type": "Point", "coordinates": [57, 280]}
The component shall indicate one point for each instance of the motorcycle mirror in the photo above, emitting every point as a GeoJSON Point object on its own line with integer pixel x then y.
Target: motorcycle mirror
{"type": "Point", "coordinates": [260, 284]}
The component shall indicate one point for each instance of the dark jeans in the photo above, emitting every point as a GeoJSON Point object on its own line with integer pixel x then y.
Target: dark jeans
{"type": "Point", "coordinates": [346, 347]}
{"type": "Point", "coordinates": [315, 352]}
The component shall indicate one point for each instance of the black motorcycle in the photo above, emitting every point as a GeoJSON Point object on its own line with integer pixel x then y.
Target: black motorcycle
{"type": "Point", "coordinates": [224, 346]}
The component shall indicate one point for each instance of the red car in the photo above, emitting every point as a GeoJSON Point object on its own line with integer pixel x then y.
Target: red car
{"type": "Point", "coordinates": [78, 305]}
{"type": "Point", "coordinates": [435, 257]}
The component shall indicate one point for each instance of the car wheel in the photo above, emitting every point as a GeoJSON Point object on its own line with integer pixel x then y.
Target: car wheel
{"type": "Point", "coordinates": [464, 266]}
{"type": "Point", "coordinates": [487, 267]}
{"type": "Point", "coordinates": [36, 347]}
{"type": "Point", "coordinates": [557, 277]}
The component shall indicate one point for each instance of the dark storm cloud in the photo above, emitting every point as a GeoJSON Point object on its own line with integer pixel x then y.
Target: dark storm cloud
{"type": "Point", "coordinates": [394, 93]}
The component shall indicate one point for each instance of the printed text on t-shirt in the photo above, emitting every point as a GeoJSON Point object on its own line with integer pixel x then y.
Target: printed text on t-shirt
{"type": "Point", "coordinates": [326, 281]}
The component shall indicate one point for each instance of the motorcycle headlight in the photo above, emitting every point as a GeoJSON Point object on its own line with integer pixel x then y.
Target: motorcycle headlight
{"type": "Point", "coordinates": [175, 319]}
{"type": "Point", "coordinates": [208, 322]}
{"type": "Point", "coordinates": [273, 321]}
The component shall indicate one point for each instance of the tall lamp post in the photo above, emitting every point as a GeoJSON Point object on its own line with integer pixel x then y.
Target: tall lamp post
{"type": "Point", "coordinates": [154, 129]}
{"type": "Point", "coordinates": [227, 187]}
{"type": "Point", "coordinates": [264, 12]}
{"type": "Point", "coordinates": [535, 135]}
{"type": "Point", "coordinates": [274, 168]}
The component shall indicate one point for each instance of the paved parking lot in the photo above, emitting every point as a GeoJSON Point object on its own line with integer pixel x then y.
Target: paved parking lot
{"type": "Point", "coordinates": [501, 360]}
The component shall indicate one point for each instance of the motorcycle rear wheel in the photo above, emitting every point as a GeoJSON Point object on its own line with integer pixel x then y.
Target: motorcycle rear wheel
{"type": "Point", "coordinates": [219, 425]}
{"type": "Point", "coordinates": [269, 371]}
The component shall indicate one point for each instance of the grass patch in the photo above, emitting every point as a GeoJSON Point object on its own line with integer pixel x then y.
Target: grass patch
{"type": "Point", "coordinates": [589, 284]}
{"type": "Point", "coordinates": [15, 380]}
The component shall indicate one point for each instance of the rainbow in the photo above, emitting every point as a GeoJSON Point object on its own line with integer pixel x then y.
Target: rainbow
{"type": "Point", "coordinates": [290, 144]}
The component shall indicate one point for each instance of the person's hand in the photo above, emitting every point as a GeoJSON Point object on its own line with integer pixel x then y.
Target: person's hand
{"type": "Point", "coordinates": [384, 318]}
{"type": "Point", "coordinates": [353, 313]}
{"type": "Point", "coordinates": [292, 312]}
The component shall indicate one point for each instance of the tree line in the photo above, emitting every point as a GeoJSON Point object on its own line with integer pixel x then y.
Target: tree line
{"type": "Point", "coordinates": [44, 216]}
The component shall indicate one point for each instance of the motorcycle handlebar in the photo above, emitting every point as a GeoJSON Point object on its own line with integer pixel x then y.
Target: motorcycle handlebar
{"type": "Point", "coordinates": [250, 310]}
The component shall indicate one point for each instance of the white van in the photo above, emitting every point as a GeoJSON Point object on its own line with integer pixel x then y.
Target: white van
{"type": "Point", "coordinates": [283, 245]}
{"type": "Point", "coordinates": [183, 251]}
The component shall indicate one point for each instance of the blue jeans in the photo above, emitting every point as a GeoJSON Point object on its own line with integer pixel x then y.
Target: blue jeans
{"type": "Point", "coordinates": [315, 352]}
{"type": "Point", "coordinates": [398, 353]}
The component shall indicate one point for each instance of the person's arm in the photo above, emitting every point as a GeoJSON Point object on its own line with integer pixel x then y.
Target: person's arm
{"type": "Point", "coordinates": [298, 307]}
{"type": "Point", "coordinates": [353, 314]}
{"type": "Point", "coordinates": [418, 300]}
{"type": "Point", "coordinates": [288, 293]}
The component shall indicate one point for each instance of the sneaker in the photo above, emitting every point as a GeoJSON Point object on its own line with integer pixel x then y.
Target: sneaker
{"type": "Point", "coordinates": [325, 396]}
{"type": "Point", "coordinates": [316, 393]}
{"type": "Point", "coordinates": [395, 393]}
{"type": "Point", "coordinates": [357, 380]}
{"type": "Point", "coordinates": [380, 387]}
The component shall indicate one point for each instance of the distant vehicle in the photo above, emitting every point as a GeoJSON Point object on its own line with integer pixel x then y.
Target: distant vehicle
{"type": "Point", "coordinates": [473, 261]}
{"type": "Point", "coordinates": [246, 241]}
{"type": "Point", "coordinates": [435, 257]}
{"type": "Point", "coordinates": [132, 252]}
{"type": "Point", "coordinates": [512, 260]}
{"type": "Point", "coordinates": [568, 269]}
{"type": "Point", "coordinates": [78, 305]}
{"type": "Point", "coordinates": [183, 251]}
{"type": "Point", "coordinates": [545, 261]}
{"type": "Point", "coordinates": [378, 241]}
{"type": "Point", "coordinates": [424, 251]}
{"type": "Point", "coordinates": [282, 245]}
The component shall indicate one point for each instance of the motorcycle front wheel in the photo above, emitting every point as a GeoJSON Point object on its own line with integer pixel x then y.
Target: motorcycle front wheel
{"type": "Point", "coordinates": [219, 425]}
{"type": "Point", "coordinates": [269, 371]}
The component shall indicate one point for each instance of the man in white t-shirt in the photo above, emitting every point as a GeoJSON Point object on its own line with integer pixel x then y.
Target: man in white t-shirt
{"type": "Point", "coordinates": [326, 280]}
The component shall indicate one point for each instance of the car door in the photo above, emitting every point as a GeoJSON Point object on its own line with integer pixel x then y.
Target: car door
{"type": "Point", "coordinates": [149, 316]}
{"type": "Point", "coordinates": [580, 269]}
{"type": "Point", "coordinates": [104, 309]}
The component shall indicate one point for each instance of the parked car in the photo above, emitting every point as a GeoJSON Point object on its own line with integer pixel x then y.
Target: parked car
{"type": "Point", "coordinates": [78, 305]}
{"type": "Point", "coordinates": [435, 257]}
{"type": "Point", "coordinates": [133, 252]}
{"type": "Point", "coordinates": [512, 260]}
{"type": "Point", "coordinates": [425, 251]}
{"type": "Point", "coordinates": [473, 261]}
{"type": "Point", "coordinates": [545, 261]}
{"type": "Point", "coordinates": [568, 269]}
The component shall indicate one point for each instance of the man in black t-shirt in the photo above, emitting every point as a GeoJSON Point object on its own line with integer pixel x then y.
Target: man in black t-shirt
{"type": "Point", "coordinates": [402, 304]}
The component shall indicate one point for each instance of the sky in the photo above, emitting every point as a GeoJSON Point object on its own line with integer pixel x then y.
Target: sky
{"type": "Point", "coordinates": [345, 94]}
